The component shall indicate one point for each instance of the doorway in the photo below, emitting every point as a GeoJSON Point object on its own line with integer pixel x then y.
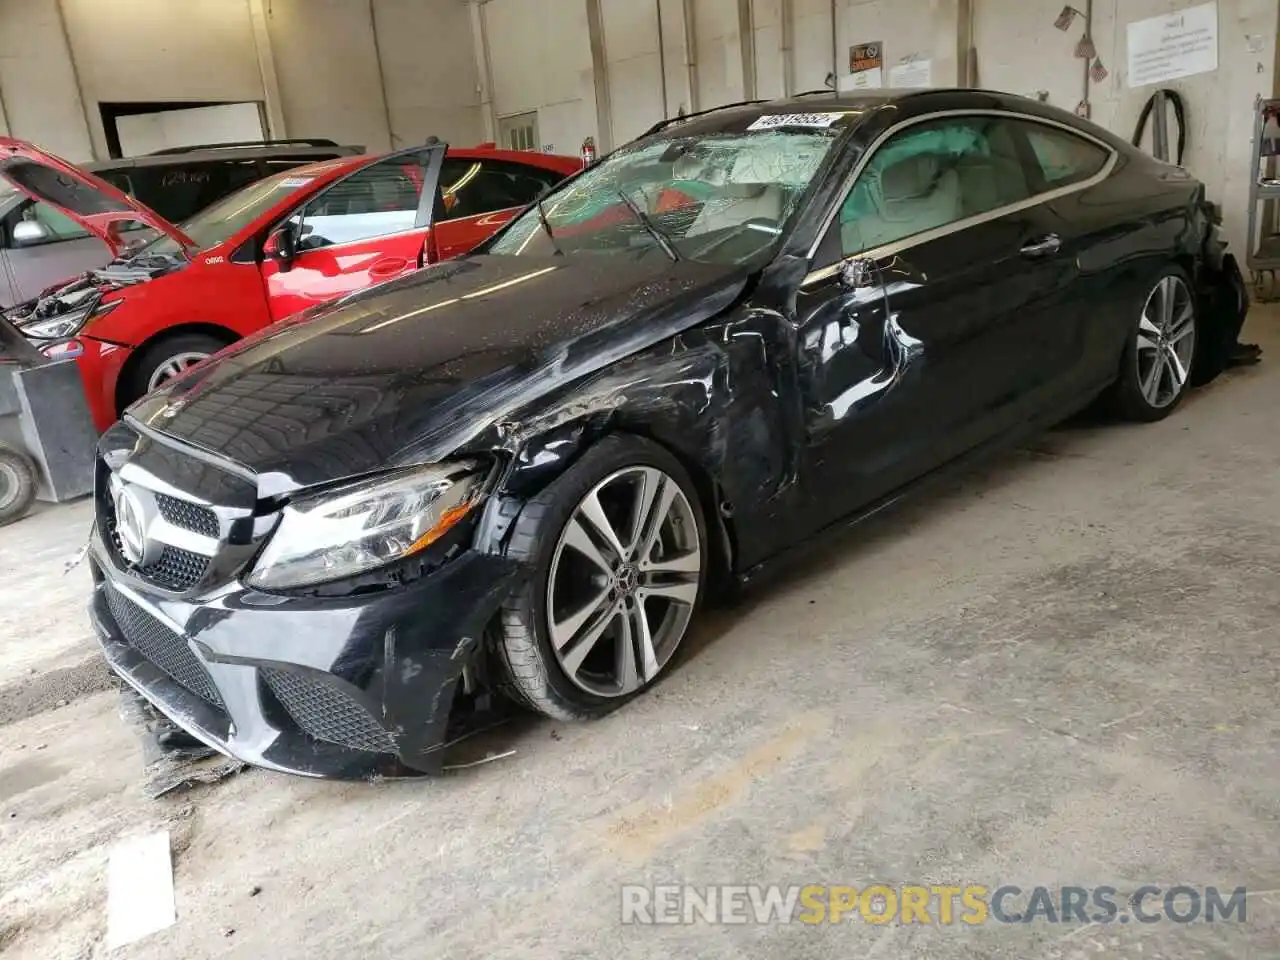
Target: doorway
{"type": "Point", "coordinates": [137, 129]}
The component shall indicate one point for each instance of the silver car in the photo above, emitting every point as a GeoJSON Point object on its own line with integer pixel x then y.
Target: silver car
{"type": "Point", "coordinates": [40, 247]}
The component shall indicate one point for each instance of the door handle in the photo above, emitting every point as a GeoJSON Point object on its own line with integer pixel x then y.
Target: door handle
{"type": "Point", "coordinates": [388, 267]}
{"type": "Point", "coordinates": [1046, 246]}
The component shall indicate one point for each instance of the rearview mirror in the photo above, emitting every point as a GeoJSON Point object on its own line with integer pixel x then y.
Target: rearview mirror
{"type": "Point", "coordinates": [282, 246]}
{"type": "Point", "coordinates": [26, 232]}
{"type": "Point", "coordinates": [857, 274]}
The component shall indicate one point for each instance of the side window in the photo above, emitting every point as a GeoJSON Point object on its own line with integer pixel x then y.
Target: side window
{"type": "Point", "coordinates": [469, 188]}
{"type": "Point", "coordinates": [929, 175]}
{"type": "Point", "coordinates": [59, 225]}
{"type": "Point", "coordinates": [380, 199]}
{"type": "Point", "coordinates": [1063, 157]}
{"type": "Point", "coordinates": [178, 191]}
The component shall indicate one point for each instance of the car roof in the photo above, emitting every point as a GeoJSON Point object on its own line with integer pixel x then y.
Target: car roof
{"type": "Point", "coordinates": [214, 154]}
{"type": "Point", "coordinates": [735, 117]}
{"type": "Point", "coordinates": [547, 161]}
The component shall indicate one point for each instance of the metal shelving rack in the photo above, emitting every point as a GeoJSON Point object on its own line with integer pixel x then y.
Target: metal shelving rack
{"type": "Point", "coordinates": [1264, 187]}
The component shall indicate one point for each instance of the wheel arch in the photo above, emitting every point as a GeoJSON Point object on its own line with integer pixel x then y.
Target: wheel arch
{"type": "Point", "coordinates": [716, 514]}
{"type": "Point", "coordinates": [216, 330]}
{"type": "Point", "coordinates": [525, 481]}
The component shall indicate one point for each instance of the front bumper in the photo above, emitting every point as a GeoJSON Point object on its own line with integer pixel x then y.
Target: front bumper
{"type": "Point", "coordinates": [351, 687]}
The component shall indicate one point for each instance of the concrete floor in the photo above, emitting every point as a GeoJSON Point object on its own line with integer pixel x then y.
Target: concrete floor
{"type": "Point", "coordinates": [1061, 671]}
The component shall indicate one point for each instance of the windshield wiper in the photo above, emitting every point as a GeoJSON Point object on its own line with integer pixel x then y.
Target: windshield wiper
{"type": "Point", "coordinates": [663, 240]}
{"type": "Point", "coordinates": [546, 226]}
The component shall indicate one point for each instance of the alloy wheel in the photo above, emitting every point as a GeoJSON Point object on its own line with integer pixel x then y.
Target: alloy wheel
{"type": "Point", "coordinates": [623, 581]}
{"type": "Point", "coordinates": [175, 365]}
{"type": "Point", "coordinates": [1166, 342]}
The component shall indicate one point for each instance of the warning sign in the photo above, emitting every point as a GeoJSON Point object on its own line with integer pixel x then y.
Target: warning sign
{"type": "Point", "coordinates": [866, 66]}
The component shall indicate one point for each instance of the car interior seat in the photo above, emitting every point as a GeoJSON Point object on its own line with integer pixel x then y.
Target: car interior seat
{"type": "Point", "coordinates": [736, 203]}
{"type": "Point", "coordinates": [909, 196]}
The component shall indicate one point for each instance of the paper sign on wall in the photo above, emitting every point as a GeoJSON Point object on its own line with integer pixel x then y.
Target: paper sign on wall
{"type": "Point", "coordinates": [911, 73]}
{"type": "Point", "coordinates": [866, 67]}
{"type": "Point", "coordinates": [1176, 45]}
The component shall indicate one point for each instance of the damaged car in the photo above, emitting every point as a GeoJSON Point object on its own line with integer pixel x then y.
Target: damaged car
{"type": "Point", "coordinates": [519, 473]}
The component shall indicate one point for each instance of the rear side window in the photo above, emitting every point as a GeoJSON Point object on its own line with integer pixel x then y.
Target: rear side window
{"type": "Point", "coordinates": [1063, 157]}
{"type": "Point", "coordinates": [178, 191]}
{"type": "Point", "coordinates": [469, 188]}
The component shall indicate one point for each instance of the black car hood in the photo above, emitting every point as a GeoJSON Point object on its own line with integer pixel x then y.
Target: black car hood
{"type": "Point", "coordinates": [415, 369]}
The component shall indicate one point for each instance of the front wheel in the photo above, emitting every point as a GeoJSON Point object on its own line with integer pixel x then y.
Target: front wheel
{"type": "Point", "coordinates": [165, 359]}
{"type": "Point", "coordinates": [619, 558]}
{"type": "Point", "coordinates": [1161, 352]}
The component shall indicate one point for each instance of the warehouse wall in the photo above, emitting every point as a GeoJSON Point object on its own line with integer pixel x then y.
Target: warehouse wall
{"type": "Point", "coordinates": [1020, 50]}
{"type": "Point", "coordinates": [540, 58]}
{"type": "Point", "coordinates": [719, 51]}
{"type": "Point", "coordinates": [631, 46]}
{"type": "Point", "coordinates": [324, 51]}
{"type": "Point", "coordinates": [37, 83]}
{"type": "Point", "coordinates": [327, 66]}
{"type": "Point", "coordinates": [432, 77]}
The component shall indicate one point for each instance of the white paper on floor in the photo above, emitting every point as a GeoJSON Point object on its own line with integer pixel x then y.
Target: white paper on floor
{"type": "Point", "coordinates": [139, 889]}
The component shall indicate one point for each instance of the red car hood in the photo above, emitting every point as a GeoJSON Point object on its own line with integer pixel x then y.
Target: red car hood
{"type": "Point", "coordinates": [90, 201]}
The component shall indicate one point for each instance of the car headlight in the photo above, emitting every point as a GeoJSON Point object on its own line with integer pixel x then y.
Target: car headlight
{"type": "Point", "coordinates": [67, 324]}
{"type": "Point", "coordinates": [362, 526]}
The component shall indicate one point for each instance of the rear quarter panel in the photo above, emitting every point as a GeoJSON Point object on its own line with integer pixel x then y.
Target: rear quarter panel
{"type": "Point", "coordinates": [1124, 232]}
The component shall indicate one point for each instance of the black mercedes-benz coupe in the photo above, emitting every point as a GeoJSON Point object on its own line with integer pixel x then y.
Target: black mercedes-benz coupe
{"type": "Point", "coordinates": [520, 471]}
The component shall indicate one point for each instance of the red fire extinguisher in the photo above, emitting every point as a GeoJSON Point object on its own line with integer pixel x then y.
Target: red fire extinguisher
{"type": "Point", "coordinates": [588, 151]}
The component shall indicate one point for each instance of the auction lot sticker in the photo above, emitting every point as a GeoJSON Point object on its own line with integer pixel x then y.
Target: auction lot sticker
{"type": "Point", "coordinates": [816, 120]}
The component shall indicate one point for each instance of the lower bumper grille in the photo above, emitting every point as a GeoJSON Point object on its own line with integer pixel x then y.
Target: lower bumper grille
{"type": "Point", "coordinates": [166, 649]}
{"type": "Point", "coordinates": [326, 713]}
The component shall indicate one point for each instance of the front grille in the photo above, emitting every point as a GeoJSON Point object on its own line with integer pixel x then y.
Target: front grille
{"type": "Point", "coordinates": [188, 515]}
{"type": "Point", "coordinates": [166, 649]}
{"type": "Point", "coordinates": [177, 569]}
{"type": "Point", "coordinates": [324, 712]}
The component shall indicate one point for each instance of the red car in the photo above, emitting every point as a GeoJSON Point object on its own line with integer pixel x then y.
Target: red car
{"type": "Point", "coordinates": [273, 248]}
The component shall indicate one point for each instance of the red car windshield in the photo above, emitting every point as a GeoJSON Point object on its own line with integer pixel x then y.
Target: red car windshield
{"type": "Point", "coordinates": [228, 216]}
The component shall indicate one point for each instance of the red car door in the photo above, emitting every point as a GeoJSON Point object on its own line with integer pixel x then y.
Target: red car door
{"type": "Point", "coordinates": [453, 238]}
{"type": "Point", "coordinates": [370, 226]}
{"type": "Point", "coordinates": [478, 195]}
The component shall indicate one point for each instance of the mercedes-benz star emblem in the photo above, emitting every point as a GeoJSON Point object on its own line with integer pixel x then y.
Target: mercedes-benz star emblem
{"type": "Point", "coordinates": [135, 510]}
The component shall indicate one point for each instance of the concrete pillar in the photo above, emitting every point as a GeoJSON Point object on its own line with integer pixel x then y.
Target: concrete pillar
{"type": "Point", "coordinates": [273, 105]}
{"type": "Point", "coordinates": [480, 39]}
{"type": "Point", "coordinates": [600, 76]}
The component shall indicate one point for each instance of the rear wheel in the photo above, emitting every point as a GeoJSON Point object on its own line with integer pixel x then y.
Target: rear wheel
{"type": "Point", "coordinates": [17, 485]}
{"type": "Point", "coordinates": [165, 359]}
{"type": "Point", "coordinates": [618, 549]}
{"type": "Point", "coordinates": [1161, 352]}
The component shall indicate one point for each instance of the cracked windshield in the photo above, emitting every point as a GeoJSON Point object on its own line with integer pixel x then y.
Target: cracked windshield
{"type": "Point", "coordinates": [722, 198]}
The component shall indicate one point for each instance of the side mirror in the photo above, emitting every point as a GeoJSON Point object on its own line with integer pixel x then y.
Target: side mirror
{"type": "Point", "coordinates": [26, 232]}
{"type": "Point", "coordinates": [282, 246]}
{"type": "Point", "coordinates": [857, 274]}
